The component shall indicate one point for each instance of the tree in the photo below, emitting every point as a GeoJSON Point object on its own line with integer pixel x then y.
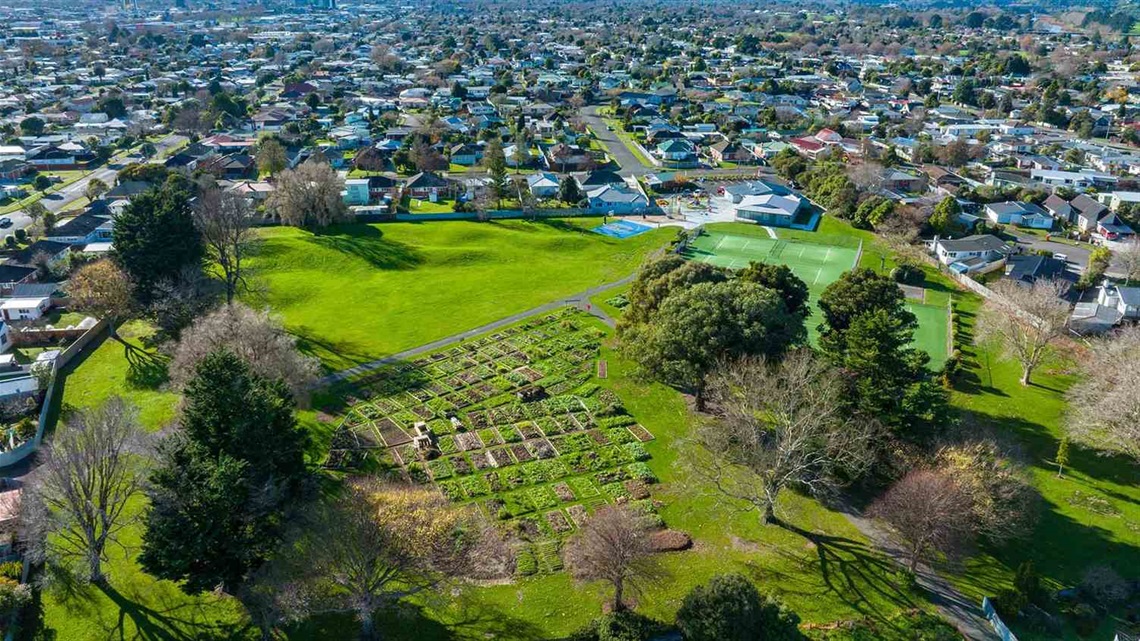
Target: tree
{"type": "Point", "coordinates": [1025, 321]}
{"type": "Point", "coordinates": [270, 156]}
{"type": "Point", "coordinates": [704, 323]}
{"type": "Point", "coordinates": [729, 608]}
{"type": "Point", "coordinates": [95, 189]}
{"type": "Point", "coordinates": [377, 545]}
{"type": "Point", "coordinates": [35, 210]}
{"type": "Point", "coordinates": [309, 196]}
{"type": "Point", "coordinates": [225, 224]}
{"type": "Point", "coordinates": [1104, 404]}
{"type": "Point", "coordinates": [225, 478]}
{"type": "Point", "coordinates": [613, 546]}
{"type": "Point", "coordinates": [103, 289]}
{"type": "Point", "coordinates": [32, 126]}
{"type": "Point", "coordinates": [782, 280]}
{"type": "Point", "coordinates": [155, 238]}
{"type": "Point", "coordinates": [944, 219]}
{"type": "Point", "coordinates": [255, 337]}
{"type": "Point", "coordinates": [1062, 456]}
{"type": "Point", "coordinates": [1129, 259]}
{"type": "Point", "coordinates": [858, 292]}
{"type": "Point", "coordinates": [1003, 502]}
{"type": "Point", "coordinates": [659, 277]}
{"type": "Point", "coordinates": [496, 164]}
{"type": "Point", "coordinates": [928, 511]}
{"type": "Point", "coordinates": [569, 192]}
{"type": "Point", "coordinates": [41, 183]}
{"type": "Point", "coordinates": [780, 424]}
{"type": "Point", "coordinates": [79, 496]}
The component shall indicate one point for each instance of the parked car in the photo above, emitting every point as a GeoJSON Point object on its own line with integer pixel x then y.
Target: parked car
{"type": "Point", "coordinates": [5, 222]}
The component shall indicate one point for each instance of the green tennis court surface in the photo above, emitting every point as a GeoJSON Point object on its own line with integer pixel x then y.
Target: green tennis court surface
{"type": "Point", "coordinates": [818, 265]}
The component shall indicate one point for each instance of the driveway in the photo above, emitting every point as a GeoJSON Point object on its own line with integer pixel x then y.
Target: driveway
{"type": "Point", "coordinates": [1076, 256]}
{"type": "Point", "coordinates": [630, 165]}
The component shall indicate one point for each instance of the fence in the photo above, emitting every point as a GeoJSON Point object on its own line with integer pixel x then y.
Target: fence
{"type": "Point", "coordinates": [15, 455]}
{"type": "Point", "coordinates": [995, 620]}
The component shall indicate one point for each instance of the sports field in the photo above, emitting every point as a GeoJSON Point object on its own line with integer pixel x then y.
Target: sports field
{"type": "Point", "coordinates": [819, 265]}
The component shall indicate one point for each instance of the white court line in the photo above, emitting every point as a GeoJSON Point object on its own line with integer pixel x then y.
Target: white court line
{"type": "Point", "coordinates": [827, 256]}
{"type": "Point", "coordinates": [720, 242]}
{"type": "Point", "coordinates": [818, 271]}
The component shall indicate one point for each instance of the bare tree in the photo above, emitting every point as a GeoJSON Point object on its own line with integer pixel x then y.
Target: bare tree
{"type": "Point", "coordinates": [781, 425]}
{"type": "Point", "coordinates": [224, 220]}
{"type": "Point", "coordinates": [929, 512]}
{"type": "Point", "coordinates": [1104, 407]}
{"type": "Point", "coordinates": [1025, 320]}
{"type": "Point", "coordinates": [613, 546]}
{"type": "Point", "coordinates": [1003, 502]}
{"type": "Point", "coordinates": [79, 496]}
{"type": "Point", "coordinates": [375, 546]}
{"type": "Point", "coordinates": [309, 196]}
{"type": "Point", "coordinates": [270, 156]}
{"type": "Point", "coordinates": [255, 337]}
{"type": "Point", "coordinates": [1129, 260]}
{"type": "Point", "coordinates": [103, 289]}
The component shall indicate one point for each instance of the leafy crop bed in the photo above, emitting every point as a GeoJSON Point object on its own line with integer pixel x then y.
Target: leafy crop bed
{"type": "Point", "coordinates": [519, 429]}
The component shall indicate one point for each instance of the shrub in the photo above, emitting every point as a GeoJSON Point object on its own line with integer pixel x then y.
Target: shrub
{"type": "Point", "coordinates": [730, 608]}
{"type": "Point", "coordinates": [11, 570]}
{"type": "Point", "coordinates": [908, 274]}
{"type": "Point", "coordinates": [1103, 585]}
{"type": "Point", "coordinates": [624, 625]}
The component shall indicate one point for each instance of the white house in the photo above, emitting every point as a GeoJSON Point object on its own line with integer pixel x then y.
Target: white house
{"type": "Point", "coordinates": [977, 253]}
{"type": "Point", "coordinates": [1020, 214]}
{"type": "Point", "coordinates": [356, 191]}
{"type": "Point", "coordinates": [543, 185]}
{"type": "Point", "coordinates": [1125, 300]}
{"type": "Point", "coordinates": [24, 309]}
{"type": "Point", "coordinates": [617, 200]}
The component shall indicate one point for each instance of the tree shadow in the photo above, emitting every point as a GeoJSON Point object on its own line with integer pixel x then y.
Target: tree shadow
{"type": "Point", "coordinates": [145, 369]}
{"type": "Point", "coordinates": [311, 343]}
{"type": "Point", "coordinates": [564, 226]}
{"type": "Point", "coordinates": [369, 244]}
{"type": "Point", "coordinates": [853, 571]}
{"type": "Point", "coordinates": [174, 623]}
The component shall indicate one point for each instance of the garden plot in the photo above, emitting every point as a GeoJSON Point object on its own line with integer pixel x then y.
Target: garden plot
{"type": "Point", "coordinates": [515, 426]}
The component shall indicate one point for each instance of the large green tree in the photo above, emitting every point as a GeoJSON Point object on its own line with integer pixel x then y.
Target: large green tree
{"type": "Point", "coordinates": [729, 608]}
{"type": "Point", "coordinates": [783, 280]}
{"type": "Point", "coordinates": [867, 330]}
{"type": "Point", "coordinates": [699, 325]}
{"type": "Point", "coordinates": [225, 479]}
{"type": "Point", "coordinates": [155, 238]}
{"type": "Point", "coordinates": [659, 277]}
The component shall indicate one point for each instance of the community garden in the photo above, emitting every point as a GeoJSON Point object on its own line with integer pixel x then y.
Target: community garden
{"type": "Point", "coordinates": [509, 423]}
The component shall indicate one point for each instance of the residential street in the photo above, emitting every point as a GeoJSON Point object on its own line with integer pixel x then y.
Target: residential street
{"type": "Point", "coordinates": [630, 165]}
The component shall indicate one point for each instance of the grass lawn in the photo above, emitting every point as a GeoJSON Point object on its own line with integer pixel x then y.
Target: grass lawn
{"type": "Point", "coordinates": [1089, 517]}
{"type": "Point", "coordinates": [360, 292]}
{"type": "Point", "coordinates": [417, 206]}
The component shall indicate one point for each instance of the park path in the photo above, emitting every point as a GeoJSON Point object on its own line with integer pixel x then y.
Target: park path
{"type": "Point", "coordinates": [581, 300]}
{"type": "Point", "coordinates": [961, 611]}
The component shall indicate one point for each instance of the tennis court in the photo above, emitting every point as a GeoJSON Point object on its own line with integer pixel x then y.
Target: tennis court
{"type": "Point", "coordinates": [622, 229]}
{"type": "Point", "coordinates": [817, 265]}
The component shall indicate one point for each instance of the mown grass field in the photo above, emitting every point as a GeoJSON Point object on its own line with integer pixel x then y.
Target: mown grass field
{"type": "Point", "coordinates": [360, 292]}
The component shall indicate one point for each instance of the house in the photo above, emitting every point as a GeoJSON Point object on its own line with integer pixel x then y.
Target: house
{"type": "Point", "coordinates": [466, 154]}
{"type": "Point", "coordinates": [1020, 214]}
{"type": "Point", "coordinates": [88, 227]}
{"type": "Point", "coordinates": [427, 184]}
{"type": "Point", "coordinates": [55, 251]}
{"type": "Point", "coordinates": [12, 275]}
{"type": "Point", "coordinates": [1027, 269]}
{"type": "Point", "coordinates": [774, 210]}
{"type": "Point", "coordinates": [615, 199]}
{"type": "Point", "coordinates": [599, 178]}
{"type": "Point", "coordinates": [1086, 212]}
{"type": "Point", "coordinates": [902, 182]}
{"type": "Point", "coordinates": [1124, 300]}
{"type": "Point", "coordinates": [24, 309]}
{"type": "Point", "coordinates": [977, 253]}
{"type": "Point", "coordinates": [676, 151]}
{"type": "Point", "coordinates": [356, 191]}
{"type": "Point", "coordinates": [563, 158]}
{"type": "Point", "coordinates": [1058, 208]}
{"type": "Point", "coordinates": [12, 169]}
{"type": "Point", "coordinates": [543, 185]}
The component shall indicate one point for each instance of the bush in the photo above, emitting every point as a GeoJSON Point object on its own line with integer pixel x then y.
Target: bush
{"type": "Point", "coordinates": [730, 608]}
{"type": "Point", "coordinates": [908, 274]}
{"type": "Point", "coordinates": [624, 625]}
{"type": "Point", "coordinates": [1085, 619]}
{"type": "Point", "coordinates": [13, 595]}
{"type": "Point", "coordinates": [11, 570]}
{"type": "Point", "coordinates": [1104, 586]}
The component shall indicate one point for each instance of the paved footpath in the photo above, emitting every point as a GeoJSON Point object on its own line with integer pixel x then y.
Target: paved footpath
{"type": "Point", "coordinates": [580, 300]}
{"type": "Point", "coordinates": [955, 607]}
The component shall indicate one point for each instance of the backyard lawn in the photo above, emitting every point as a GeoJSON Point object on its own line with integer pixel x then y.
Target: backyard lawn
{"type": "Point", "coordinates": [360, 292]}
